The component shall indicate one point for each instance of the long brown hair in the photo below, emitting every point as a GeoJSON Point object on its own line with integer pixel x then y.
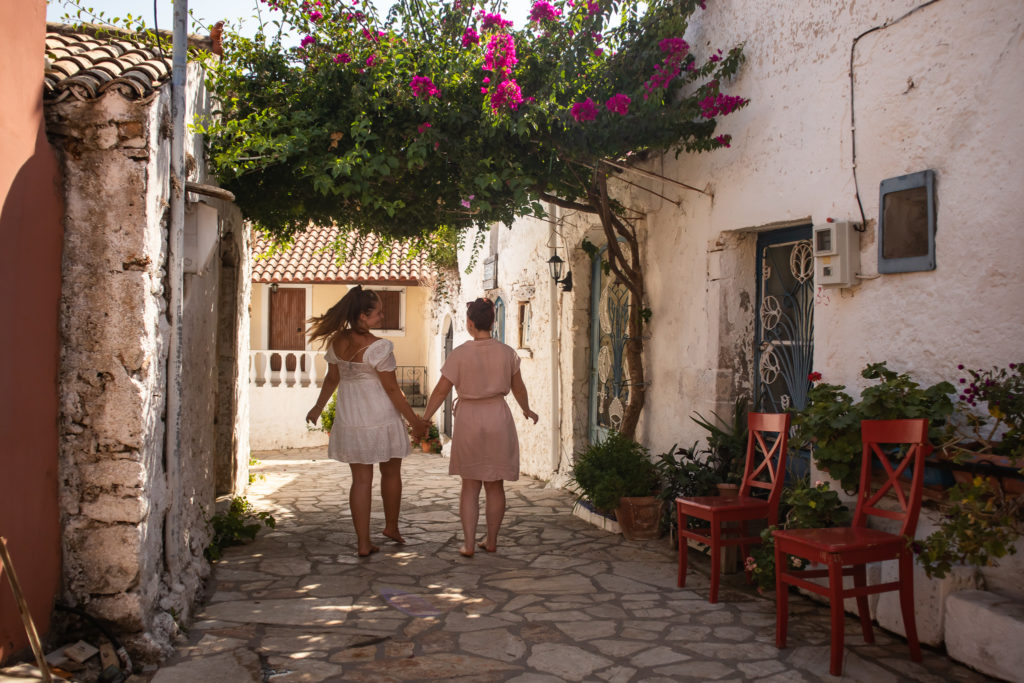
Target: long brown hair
{"type": "Point", "coordinates": [344, 314]}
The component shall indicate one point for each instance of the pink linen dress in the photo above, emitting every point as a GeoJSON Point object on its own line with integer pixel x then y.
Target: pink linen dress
{"type": "Point", "coordinates": [367, 427]}
{"type": "Point", "coordinates": [484, 444]}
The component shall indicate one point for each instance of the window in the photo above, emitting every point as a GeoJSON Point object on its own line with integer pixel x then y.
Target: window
{"type": "Point", "coordinates": [524, 324]}
{"type": "Point", "coordinates": [498, 331]}
{"type": "Point", "coordinates": [392, 302]}
{"type": "Point", "coordinates": [906, 223]}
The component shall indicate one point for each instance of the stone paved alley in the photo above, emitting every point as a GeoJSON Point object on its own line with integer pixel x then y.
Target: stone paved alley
{"type": "Point", "coordinates": [559, 601]}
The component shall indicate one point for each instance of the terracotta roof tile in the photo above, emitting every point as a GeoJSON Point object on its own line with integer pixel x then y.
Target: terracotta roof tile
{"type": "Point", "coordinates": [310, 260]}
{"type": "Point", "coordinates": [86, 61]}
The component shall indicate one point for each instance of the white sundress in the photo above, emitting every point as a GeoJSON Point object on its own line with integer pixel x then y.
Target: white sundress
{"type": "Point", "coordinates": [367, 427]}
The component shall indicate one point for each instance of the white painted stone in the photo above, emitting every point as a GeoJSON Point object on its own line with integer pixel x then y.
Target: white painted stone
{"type": "Point", "coordinates": [929, 601]}
{"type": "Point", "coordinates": [984, 631]}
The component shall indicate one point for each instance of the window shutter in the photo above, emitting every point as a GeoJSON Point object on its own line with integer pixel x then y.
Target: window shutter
{"type": "Point", "coordinates": [391, 302]}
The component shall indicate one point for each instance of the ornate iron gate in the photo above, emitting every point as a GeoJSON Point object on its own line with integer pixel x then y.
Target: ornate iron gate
{"type": "Point", "coordinates": [784, 344]}
{"type": "Point", "coordinates": [609, 318]}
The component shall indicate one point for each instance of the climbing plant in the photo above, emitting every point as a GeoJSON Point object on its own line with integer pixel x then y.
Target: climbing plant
{"type": "Point", "coordinates": [436, 117]}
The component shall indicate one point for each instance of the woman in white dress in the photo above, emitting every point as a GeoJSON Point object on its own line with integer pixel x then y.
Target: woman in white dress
{"type": "Point", "coordinates": [368, 427]}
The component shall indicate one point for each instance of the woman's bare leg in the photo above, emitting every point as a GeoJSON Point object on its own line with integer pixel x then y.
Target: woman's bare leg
{"type": "Point", "coordinates": [469, 511]}
{"type": "Point", "coordinates": [359, 504]}
{"type": "Point", "coordinates": [495, 513]}
{"type": "Point", "coordinates": [391, 493]}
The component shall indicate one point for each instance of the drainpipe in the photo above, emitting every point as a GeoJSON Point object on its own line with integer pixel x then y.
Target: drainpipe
{"type": "Point", "coordinates": [556, 384]}
{"type": "Point", "coordinates": [173, 537]}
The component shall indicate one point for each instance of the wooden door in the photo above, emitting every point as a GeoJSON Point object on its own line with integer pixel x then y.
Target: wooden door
{"type": "Point", "coordinates": [287, 325]}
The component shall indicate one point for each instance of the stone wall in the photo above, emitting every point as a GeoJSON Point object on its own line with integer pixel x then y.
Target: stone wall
{"type": "Point", "coordinates": [133, 549]}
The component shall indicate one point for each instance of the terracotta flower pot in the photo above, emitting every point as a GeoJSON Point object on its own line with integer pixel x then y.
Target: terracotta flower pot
{"type": "Point", "coordinates": [639, 518]}
{"type": "Point", "coordinates": [728, 490]}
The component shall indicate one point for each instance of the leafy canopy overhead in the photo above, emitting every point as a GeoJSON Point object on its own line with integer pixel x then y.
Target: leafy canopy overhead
{"type": "Point", "coordinates": [437, 116]}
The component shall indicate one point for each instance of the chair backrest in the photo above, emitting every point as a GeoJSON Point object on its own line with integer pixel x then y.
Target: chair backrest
{"type": "Point", "coordinates": [767, 437]}
{"type": "Point", "coordinates": [899, 447]}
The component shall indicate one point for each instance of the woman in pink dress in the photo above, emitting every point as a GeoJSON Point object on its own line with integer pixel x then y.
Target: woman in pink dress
{"type": "Point", "coordinates": [368, 427]}
{"type": "Point", "coordinates": [485, 447]}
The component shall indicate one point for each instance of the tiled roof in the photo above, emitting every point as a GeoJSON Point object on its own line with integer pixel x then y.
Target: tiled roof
{"type": "Point", "coordinates": [85, 61]}
{"type": "Point", "coordinates": [308, 261]}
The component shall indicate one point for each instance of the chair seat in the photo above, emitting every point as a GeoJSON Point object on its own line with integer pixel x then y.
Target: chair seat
{"type": "Point", "coordinates": [838, 539]}
{"type": "Point", "coordinates": [699, 504]}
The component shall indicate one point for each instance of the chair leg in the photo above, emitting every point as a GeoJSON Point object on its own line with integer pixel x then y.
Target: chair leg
{"type": "Point", "coordinates": [906, 569]}
{"type": "Point", "coordinates": [716, 559]}
{"type": "Point", "coordinates": [781, 600]}
{"type": "Point", "coordinates": [680, 525]}
{"type": "Point", "coordinates": [860, 579]}
{"type": "Point", "coordinates": [835, 597]}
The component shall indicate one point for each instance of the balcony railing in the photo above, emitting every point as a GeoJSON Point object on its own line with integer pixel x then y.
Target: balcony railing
{"type": "Point", "coordinates": [308, 368]}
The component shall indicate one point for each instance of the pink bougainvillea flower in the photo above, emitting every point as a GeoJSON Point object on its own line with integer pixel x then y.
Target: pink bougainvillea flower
{"type": "Point", "coordinates": [466, 202]}
{"type": "Point", "coordinates": [470, 37]}
{"type": "Point", "coordinates": [584, 111]}
{"type": "Point", "coordinates": [598, 51]}
{"type": "Point", "coordinates": [717, 57]}
{"type": "Point", "coordinates": [544, 11]}
{"type": "Point", "coordinates": [316, 15]}
{"type": "Point", "coordinates": [507, 94]}
{"type": "Point", "coordinates": [674, 46]}
{"type": "Point", "coordinates": [307, 41]}
{"type": "Point", "coordinates": [342, 58]}
{"type": "Point", "coordinates": [501, 53]}
{"type": "Point", "coordinates": [724, 141]}
{"type": "Point", "coordinates": [720, 105]}
{"type": "Point", "coordinates": [422, 127]}
{"type": "Point", "coordinates": [618, 104]}
{"type": "Point", "coordinates": [489, 21]}
{"type": "Point", "coordinates": [593, 8]}
{"type": "Point", "coordinates": [422, 86]}
{"type": "Point", "coordinates": [487, 79]}
{"type": "Point", "coordinates": [371, 60]}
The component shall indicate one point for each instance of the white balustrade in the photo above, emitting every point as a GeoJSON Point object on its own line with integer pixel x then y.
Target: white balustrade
{"type": "Point", "coordinates": [294, 368]}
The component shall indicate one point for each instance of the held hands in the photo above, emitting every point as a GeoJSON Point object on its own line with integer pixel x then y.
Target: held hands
{"type": "Point", "coordinates": [530, 415]}
{"type": "Point", "coordinates": [419, 428]}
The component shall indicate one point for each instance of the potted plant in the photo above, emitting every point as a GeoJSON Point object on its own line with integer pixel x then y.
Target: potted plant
{"type": "Point", "coordinates": [984, 513]}
{"type": "Point", "coordinates": [727, 447]}
{"type": "Point", "coordinates": [830, 423]}
{"type": "Point", "coordinates": [431, 440]}
{"type": "Point", "coordinates": [617, 475]}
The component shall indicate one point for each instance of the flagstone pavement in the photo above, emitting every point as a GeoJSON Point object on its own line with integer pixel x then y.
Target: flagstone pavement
{"type": "Point", "coordinates": [560, 600]}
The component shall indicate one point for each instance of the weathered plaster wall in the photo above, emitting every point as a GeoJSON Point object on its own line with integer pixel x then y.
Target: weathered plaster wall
{"type": "Point", "coordinates": [30, 229]}
{"type": "Point", "coordinates": [124, 561]}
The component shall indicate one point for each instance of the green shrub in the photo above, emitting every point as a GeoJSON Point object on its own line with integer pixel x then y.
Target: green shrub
{"type": "Point", "coordinates": [613, 468]}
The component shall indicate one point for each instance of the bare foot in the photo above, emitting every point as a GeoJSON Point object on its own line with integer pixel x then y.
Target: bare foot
{"type": "Point", "coordinates": [394, 536]}
{"type": "Point", "coordinates": [483, 546]}
{"type": "Point", "coordinates": [373, 549]}
{"type": "Point", "coordinates": [465, 553]}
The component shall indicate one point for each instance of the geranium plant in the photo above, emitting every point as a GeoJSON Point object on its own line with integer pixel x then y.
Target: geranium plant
{"type": "Point", "coordinates": [999, 429]}
{"type": "Point", "coordinates": [830, 423]}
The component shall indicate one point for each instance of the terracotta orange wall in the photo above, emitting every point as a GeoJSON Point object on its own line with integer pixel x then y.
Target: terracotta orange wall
{"type": "Point", "coordinates": [30, 251]}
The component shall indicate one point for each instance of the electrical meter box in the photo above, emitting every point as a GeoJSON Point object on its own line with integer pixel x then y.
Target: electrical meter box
{"type": "Point", "coordinates": [836, 254]}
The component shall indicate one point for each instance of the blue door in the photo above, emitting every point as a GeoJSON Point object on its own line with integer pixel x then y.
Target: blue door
{"type": "Point", "coordinates": [784, 342]}
{"type": "Point", "coordinates": [609, 319]}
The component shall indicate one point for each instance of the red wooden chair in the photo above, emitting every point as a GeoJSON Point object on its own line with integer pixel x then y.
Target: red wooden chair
{"type": "Point", "coordinates": [768, 434]}
{"type": "Point", "coordinates": [845, 551]}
